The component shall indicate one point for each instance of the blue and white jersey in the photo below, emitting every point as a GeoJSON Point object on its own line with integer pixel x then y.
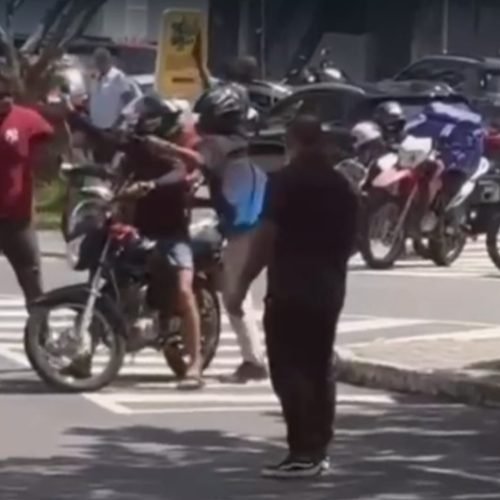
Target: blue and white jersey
{"type": "Point", "coordinates": [237, 185]}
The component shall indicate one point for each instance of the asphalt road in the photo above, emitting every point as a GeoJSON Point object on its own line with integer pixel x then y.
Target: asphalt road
{"type": "Point", "coordinates": [141, 439]}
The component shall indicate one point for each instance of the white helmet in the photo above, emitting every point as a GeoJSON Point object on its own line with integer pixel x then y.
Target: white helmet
{"type": "Point", "coordinates": [365, 132]}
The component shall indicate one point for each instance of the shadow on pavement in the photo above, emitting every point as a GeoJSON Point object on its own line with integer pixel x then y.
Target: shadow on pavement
{"type": "Point", "coordinates": [404, 452]}
{"type": "Point", "coordinates": [23, 382]}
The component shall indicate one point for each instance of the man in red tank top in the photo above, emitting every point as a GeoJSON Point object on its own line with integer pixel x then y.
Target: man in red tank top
{"type": "Point", "coordinates": [23, 132]}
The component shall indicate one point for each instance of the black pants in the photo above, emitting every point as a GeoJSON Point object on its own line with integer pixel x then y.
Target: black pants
{"type": "Point", "coordinates": [19, 243]}
{"type": "Point", "coordinates": [300, 340]}
{"type": "Point", "coordinates": [102, 151]}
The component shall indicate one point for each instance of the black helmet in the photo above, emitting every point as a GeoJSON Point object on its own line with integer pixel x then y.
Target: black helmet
{"type": "Point", "coordinates": [154, 115]}
{"type": "Point", "coordinates": [389, 114]}
{"type": "Point", "coordinates": [222, 109]}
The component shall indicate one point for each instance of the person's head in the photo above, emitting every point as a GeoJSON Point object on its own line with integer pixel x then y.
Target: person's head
{"type": "Point", "coordinates": [156, 116]}
{"type": "Point", "coordinates": [103, 60]}
{"type": "Point", "coordinates": [368, 141]}
{"type": "Point", "coordinates": [242, 69]}
{"type": "Point", "coordinates": [6, 96]}
{"type": "Point", "coordinates": [221, 110]}
{"type": "Point", "coordinates": [391, 118]}
{"type": "Point", "coordinates": [304, 135]}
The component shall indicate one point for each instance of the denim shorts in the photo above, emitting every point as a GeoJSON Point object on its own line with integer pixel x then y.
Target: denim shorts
{"type": "Point", "coordinates": [177, 252]}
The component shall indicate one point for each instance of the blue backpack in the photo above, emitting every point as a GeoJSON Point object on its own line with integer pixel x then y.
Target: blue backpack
{"type": "Point", "coordinates": [458, 134]}
{"type": "Point", "coordinates": [243, 190]}
{"type": "Point", "coordinates": [237, 187]}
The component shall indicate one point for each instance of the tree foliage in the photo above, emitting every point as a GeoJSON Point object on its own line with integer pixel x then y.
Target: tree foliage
{"type": "Point", "coordinates": [31, 67]}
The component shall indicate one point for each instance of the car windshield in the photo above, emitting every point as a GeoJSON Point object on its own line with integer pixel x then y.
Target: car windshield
{"type": "Point", "coordinates": [410, 109]}
{"type": "Point", "coordinates": [436, 71]}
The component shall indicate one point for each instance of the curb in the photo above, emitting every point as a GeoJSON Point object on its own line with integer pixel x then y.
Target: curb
{"type": "Point", "coordinates": [445, 384]}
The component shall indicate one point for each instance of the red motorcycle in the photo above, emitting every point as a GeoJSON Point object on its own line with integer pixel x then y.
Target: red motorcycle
{"type": "Point", "coordinates": [405, 203]}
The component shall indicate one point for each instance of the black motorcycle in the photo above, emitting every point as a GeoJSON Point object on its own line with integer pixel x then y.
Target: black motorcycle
{"type": "Point", "coordinates": [325, 72]}
{"type": "Point", "coordinates": [122, 305]}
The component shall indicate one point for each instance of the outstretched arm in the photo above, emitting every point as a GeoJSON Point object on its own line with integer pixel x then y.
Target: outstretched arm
{"type": "Point", "coordinates": [161, 147]}
{"type": "Point", "coordinates": [177, 175]}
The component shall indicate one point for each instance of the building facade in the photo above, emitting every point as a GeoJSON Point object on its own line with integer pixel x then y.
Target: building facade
{"type": "Point", "coordinates": [121, 20]}
{"type": "Point", "coordinates": [370, 40]}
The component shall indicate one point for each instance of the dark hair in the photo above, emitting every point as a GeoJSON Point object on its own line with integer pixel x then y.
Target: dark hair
{"type": "Point", "coordinates": [306, 131]}
{"type": "Point", "coordinates": [242, 69]}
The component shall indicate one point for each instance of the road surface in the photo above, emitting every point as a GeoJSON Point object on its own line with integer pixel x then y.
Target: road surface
{"type": "Point", "coordinates": [141, 439]}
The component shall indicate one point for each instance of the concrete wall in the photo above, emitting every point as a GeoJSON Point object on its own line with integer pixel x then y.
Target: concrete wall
{"type": "Point", "coordinates": [473, 28]}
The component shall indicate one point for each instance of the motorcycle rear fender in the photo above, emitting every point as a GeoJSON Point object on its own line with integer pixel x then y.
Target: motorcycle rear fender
{"type": "Point", "coordinates": [391, 177]}
{"type": "Point", "coordinates": [80, 292]}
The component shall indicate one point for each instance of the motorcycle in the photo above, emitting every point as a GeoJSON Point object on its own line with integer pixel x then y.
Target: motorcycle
{"type": "Point", "coordinates": [325, 72]}
{"type": "Point", "coordinates": [121, 305]}
{"type": "Point", "coordinates": [410, 183]}
{"type": "Point", "coordinates": [356, 174]}
{"type": "Point", "coordinates": [265, 94]}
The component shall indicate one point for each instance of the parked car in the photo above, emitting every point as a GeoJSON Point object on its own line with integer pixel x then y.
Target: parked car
{"type": "Point", "coordinates": [144, 83]}
{"type": "Point", "coordinates": [340, 106]}
{"type": "Point", "coordinates": [477, 78]}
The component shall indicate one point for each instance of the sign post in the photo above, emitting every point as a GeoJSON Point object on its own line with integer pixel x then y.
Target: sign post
{"type": "Point", "coordinates": [182, 54]}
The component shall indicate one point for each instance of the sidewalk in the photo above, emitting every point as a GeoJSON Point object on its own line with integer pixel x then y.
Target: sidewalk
{"type": "Point", "coordinates": [462, 367]}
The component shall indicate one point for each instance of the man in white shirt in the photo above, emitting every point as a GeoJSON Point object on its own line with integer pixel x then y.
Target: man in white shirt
{"type": "Point", "coordinates": [110, 92]}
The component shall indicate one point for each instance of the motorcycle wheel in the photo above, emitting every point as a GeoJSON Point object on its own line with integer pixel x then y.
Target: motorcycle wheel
{"type": "Point", "coordinates": [384, 212]}
{"type": "Point", "coordinates": [101, 328]}
{"type": "Point", "coordinates": [445, 249]}
{"type": "Point", "coordinates": [492, 235]}
{"type": "Point", "coordinates": [209, 307]}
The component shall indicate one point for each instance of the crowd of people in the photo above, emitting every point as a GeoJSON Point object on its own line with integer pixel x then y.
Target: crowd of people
{"type": "Point", "coordinates": [269, 222]}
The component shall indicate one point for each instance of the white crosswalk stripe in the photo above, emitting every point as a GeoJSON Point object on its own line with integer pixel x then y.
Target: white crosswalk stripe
{"type": "Point", "coordinates": [145, 385]}
{"type": "Point", "coordinates": [473, 263]}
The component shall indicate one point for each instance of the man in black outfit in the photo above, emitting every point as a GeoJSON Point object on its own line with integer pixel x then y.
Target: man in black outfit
{"type": "Point", "coordinates": [307, 235]}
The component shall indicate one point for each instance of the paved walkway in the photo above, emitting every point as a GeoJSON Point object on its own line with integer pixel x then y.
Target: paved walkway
{"type": "Point", "coordinates": [464, 366]}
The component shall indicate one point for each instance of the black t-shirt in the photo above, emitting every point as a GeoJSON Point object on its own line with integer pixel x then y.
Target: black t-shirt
{"type": "Point", "coordinates": [163, 213]}
{"type": "Point", "coordinates": [315, 212]}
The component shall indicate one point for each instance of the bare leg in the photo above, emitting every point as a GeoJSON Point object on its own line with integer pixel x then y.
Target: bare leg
{"type": "Point", "coordinates": [191, 322]}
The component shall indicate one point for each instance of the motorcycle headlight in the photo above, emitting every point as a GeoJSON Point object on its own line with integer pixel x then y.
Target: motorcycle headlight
{"type": "Point", "coordinates": [88, 214]}
{"type": "Point", "coordinates": [86, 218]}
{"type": "Point", "coordinates": [73, 251]}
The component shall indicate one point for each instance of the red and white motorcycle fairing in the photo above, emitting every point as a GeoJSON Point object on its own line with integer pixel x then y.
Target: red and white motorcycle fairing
{"type": "Point", "coordinates": [416, 157]}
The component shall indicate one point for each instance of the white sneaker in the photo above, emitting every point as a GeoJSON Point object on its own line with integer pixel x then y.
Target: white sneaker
{"type": "Point", "coordinates": [292, 468]}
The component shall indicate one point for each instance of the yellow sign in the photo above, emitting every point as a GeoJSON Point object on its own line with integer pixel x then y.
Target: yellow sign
{"type": "Point", "coordinates": [182, 53]}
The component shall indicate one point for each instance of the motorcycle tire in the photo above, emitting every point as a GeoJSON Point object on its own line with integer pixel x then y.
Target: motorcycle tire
{"type": "Point", "coordinates": [365, 247]}
{"type": "Point", "coordinates": [210, 318]}
{"type": "Point", "coordinates": [439, 252]}
{"type": "Point", "coordinates": [492, 235]}
{"type": "Point", "coordinates": [34, 336]}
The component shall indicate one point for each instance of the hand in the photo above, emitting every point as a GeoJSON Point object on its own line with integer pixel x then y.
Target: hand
{"type": "Point", "coordinates": [137, 190]}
